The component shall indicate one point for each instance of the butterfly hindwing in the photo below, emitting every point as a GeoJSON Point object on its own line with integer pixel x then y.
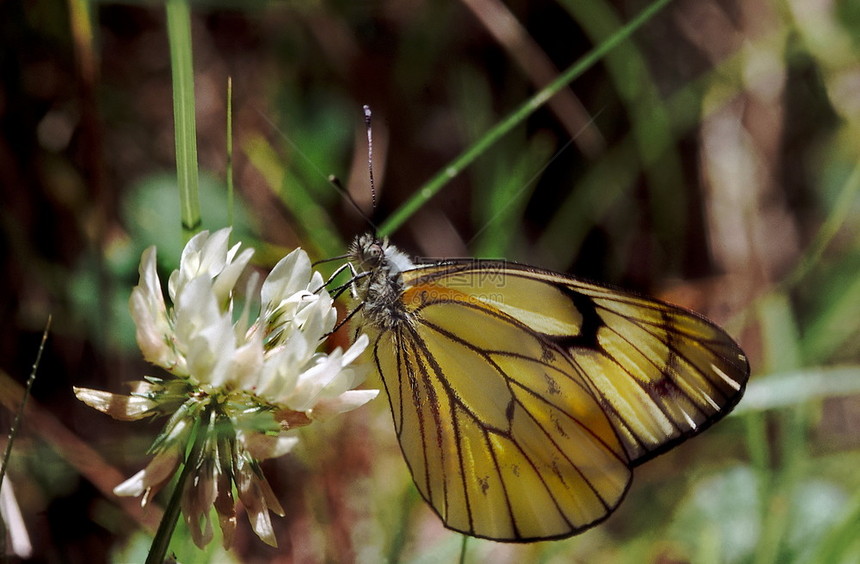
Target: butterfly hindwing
{"type": "Point", "coordinates": [508, 441]}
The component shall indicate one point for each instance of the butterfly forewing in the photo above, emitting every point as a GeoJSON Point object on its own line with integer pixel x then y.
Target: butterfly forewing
{"type": "Point", "coordinates": [660, 372]}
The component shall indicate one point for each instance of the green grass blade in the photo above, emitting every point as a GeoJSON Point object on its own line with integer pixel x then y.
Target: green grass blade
{"type": "Point", "coordinates": [229, 167]}
{"type": "Point", "coordinates": [320, 237]}
{"type": "Point", "coordinates": [456, 166]}
{"type": "Point", "coordinates": [651, 126]}
{"type": "Point", "coordinates": [782, 390]}
{"type": "Point", "coordinates": [839, 214]}
{"type": "Point", "coordinates": [182, 71]}
{"type": "Point", "coordinates": [503, 179]}
{"type": "Point", "coordinates": [782, 353]}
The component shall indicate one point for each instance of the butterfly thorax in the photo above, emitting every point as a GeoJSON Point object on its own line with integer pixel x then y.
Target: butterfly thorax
{"type": "Point", "coordinates": [379, 284]}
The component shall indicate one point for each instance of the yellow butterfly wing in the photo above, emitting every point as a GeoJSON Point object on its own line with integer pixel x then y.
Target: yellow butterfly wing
{"type": "Point", "coordinates": [661, 373]}
{"type": "Point", "coordinates": [502, 435]}
{"type": "Point", "coordinates": [522, 398]}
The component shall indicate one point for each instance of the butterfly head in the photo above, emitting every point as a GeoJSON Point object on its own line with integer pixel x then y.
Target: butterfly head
{"type": "Point", "coordinates": [379, 284]}
{"type": "Point", "coordinates": [370, 253]}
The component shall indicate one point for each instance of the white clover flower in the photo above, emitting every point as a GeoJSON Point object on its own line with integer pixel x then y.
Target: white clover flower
{"type": "Point", "coordinates": [238, 386]}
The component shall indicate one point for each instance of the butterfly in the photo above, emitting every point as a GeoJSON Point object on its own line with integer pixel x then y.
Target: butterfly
{"type": "Point", "coordinates": [523, 398]}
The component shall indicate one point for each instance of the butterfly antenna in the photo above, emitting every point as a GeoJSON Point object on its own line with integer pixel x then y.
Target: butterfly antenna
{"type": "Point", "coordinates": [330, 259]}
{"type": "Point", "coordinates": [369, 129]}
{"type": "Point", "coordinates": [338, 185]}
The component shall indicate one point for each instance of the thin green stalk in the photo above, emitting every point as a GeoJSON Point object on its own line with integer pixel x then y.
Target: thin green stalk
{"type": "Point", "coordinates": [839, 214]}
{"type": "Point", "coordinates": [161, 541]}
{"type": "Point", "coordinates": [402, 525]}
{"type": "Point", "coordinates": [650, 122]}
{"type": "Point", "coordinates": [229, 171]}
{"type": "Point", "coordinates": [781, 352]}
{"type": "Point", "coordinates": [456, 166]}
{"type": "Point", "coordinates": [13, 429]}
{"type": "Point", "coordinates": [182, 71]}
{"type": "Point", "coordinates": [20, 413]}
{"type": "Point", "coordinates": [320, 236]}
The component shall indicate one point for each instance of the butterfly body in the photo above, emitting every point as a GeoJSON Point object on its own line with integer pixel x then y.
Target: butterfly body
{"type": "Point", "coordinates": [523, 398]}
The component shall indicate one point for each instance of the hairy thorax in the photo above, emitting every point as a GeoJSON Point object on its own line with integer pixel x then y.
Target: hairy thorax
{"type": "Point", "coordinates": [379, 285]}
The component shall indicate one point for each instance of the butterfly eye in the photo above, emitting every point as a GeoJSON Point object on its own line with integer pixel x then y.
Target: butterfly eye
{"type": "Point", "coordinates": [375, 253]}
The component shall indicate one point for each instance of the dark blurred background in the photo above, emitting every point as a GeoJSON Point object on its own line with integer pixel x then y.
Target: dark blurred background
{"type": "Point", "coordinates": [710, 160]}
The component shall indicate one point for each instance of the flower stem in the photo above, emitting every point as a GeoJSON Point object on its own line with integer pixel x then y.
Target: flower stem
{"type": "Point", "coordinates": [158, 549]}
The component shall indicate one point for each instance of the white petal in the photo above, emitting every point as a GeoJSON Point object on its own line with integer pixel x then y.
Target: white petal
{"type": "Point", "coordinates": [247, 363]}
{"type": "Point", "coordinates": [17, 529]}
{"type": "Point", "coordinates": [132, 487]}
{"type": "Point", "coordinates": [282, 366]}
{"type": "Point", "coordinates": [152, 330]}
{"type": "Point", "coordinates": [211, 353]}
{"type": "Point", "coordinates": [317, 320]}
{"type": "Point", "coordinates": [148, 272]}
{"type": "Point", "coordinates": [226, 280]}
{"type": "Point", "coordinates": [204, 255]}
{"type": "Point", "coordinates": [346, 377]}
{"type": "Point", "coordinates": [355, 350]}
{"type": "Point", "coordinates": [241, 325]}
{"type": "Point", "coordinates": [189, 264]}
{"type": "Point", "coordinates": [290, 275]}
{"type": "Point", "coordinates": [158, 471]}
{"type": "Point", "coordinates": [263, 447]}
{"type": "Point", "coordinates": [150, 314]}
{"type": "Point", "coordinates": [253, 498]}
{"type": "Point", "coordinates": [124, 408]}
{"type": "Point", "coordinates": [346, 401]}
{"type": "Point", "coordinates": [316, 285]}
{"type": "Point", "coordinates": [203, 333]}
{"type": "Point", "coordinates": [214, 253]}
{"type": "Point", "coordinates": [312, 381]}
